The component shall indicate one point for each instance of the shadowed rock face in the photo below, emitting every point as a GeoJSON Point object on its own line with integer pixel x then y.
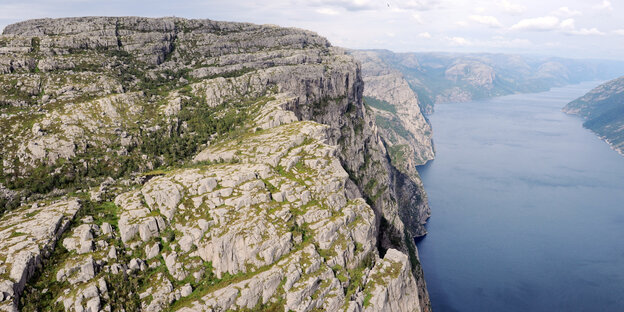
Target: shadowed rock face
{"type": "Point", "coordinates": [275, 186]}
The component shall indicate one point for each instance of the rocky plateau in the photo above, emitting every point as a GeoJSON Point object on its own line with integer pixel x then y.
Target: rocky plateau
{"type": "Point", "coordinates": [167, 164]}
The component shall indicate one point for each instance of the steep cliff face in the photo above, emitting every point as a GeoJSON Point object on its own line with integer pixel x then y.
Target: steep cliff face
{"type": "Point", "coordinates": [273, 190]}
{"type": "Point", "coordinates": [405, 132]}
{"type": "Point", "coordinates": [603, 110]}
{"type": "Point", "coordinates": [397, 198]}
{"type": "Point", "coordinates": [397, 111]}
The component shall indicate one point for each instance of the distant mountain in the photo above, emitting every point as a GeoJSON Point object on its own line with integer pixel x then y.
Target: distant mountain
{"type": "Point", "coordinates": [451, 77]}
{"type": "Point", "coordinates": [603, 110]}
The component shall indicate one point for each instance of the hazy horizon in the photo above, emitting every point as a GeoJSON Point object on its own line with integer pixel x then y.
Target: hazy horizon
{"type": "Point", "coordinates": [568, 29]}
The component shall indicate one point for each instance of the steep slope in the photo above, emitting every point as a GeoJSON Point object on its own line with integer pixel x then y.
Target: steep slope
{"type": "Point", "coordinates": [450, 77]}
{"type": "Point", "coordinates": [197, 165]}
{"type": "Point", "coordinates": [406, 133]}
{"type": "Point", "coordinates": [603, 110]}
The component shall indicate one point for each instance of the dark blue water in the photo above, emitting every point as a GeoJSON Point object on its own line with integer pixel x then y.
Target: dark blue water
{"type": "Point", "coordinates": [527, 208]}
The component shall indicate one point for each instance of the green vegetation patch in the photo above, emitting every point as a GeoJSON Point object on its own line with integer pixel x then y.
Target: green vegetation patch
{"type": "Point", "coordinates": [177, 143]}
{"type": "Point", "coordinates": [379, 104]}
{"type": "Point", "coordinates": [210, 283]}
{"type": "Point", "coordinates": [356, 275]}
{"type": "Point", "coordinates": [399, 155]}
{"type": "Point", "coordinates": [43, 289]}
{"type": "Point", "coordinates": [17, 234]}
{"type": "Point", "coordinates": [393, 124]}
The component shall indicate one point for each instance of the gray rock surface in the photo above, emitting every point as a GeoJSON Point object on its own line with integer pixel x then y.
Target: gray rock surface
{"type": "Point", "coordinates": [27, 235]}
{"type": "Point", "coordinates": [289, 208]}
{"type": "Point", "coordinates": [87, 298]}
{"type": "Point", "coordinates": [385, 83]}
{"type": "Point", "coordinates": [82, 240]}
{"type": "Point", "coordinates": [79, 271]}
{"type": "Point", "coordinates": [395, 294]}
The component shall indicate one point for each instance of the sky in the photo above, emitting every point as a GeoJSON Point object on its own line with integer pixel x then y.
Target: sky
{"type": "Point", "coordinates": [565, 28]}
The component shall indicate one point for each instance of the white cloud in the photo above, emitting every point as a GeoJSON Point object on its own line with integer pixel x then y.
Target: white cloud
{"type": "Point", "coordinates": [551, 23]}
{"type": "Point", "coordinates": [425, 35]}
{"type": "Point", "coordinates": [567, 24]}
{"type": "Point", "coordinates": [544, 23]}
{"type": "Point", "coordinates": [605, 5]}
{"type": "Point", "coordinates": [461, 24]}
{"type": "Point", "coordinates": [486, 20]}
{"type": "Point", "coordinates": [512, 8]}
{"type": "Point", "coordinates": [586, 32]}
{"type": "Point", "coordinates": [391, 34]}
{"type": "Point", "coordinates": [619, 32]}
{"type": "Point", "coordinates": [567, 12]}
{"type": "Point", "coordinates": [327, 11]}
{"type": "Point", "coordinates": [459, 41]}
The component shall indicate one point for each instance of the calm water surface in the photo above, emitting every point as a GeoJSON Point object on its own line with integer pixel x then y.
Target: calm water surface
{"type": "Point", "coordinates": [527, 208]}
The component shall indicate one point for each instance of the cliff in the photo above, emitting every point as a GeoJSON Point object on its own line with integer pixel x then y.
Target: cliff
{"type": "Point", "coordinates": [405, 132]}
{"type": "Point", "coordinates": [603, 110]}
{"type": "Point", "coordinates": [397, 111]}
{"type": "Point", "coordinates": [173, 164]}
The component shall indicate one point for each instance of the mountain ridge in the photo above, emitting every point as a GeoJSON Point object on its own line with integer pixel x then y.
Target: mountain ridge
{"type": "Point", "coordinates": [602, 108]}
{"type": "Point", "coordinates": [460, 77]}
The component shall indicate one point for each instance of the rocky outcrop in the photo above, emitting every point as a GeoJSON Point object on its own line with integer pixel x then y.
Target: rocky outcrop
{"type": "Point", "coordinates": [274, 211]}
{"type": "Point", "coordinates": [27, 236]}
{"type": "Point", "coordinates": [603, 110]}
{"type": "Point", "coordinates": [88, 78]}
{"type": "Point", "coordinates": [387, 288]}
{"type": "Point", "coordinates": [275, 187]}
{"type": "Point", "coordinates": [363, 155]}
{"type": "Point", "coordinates": [87, 298]}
